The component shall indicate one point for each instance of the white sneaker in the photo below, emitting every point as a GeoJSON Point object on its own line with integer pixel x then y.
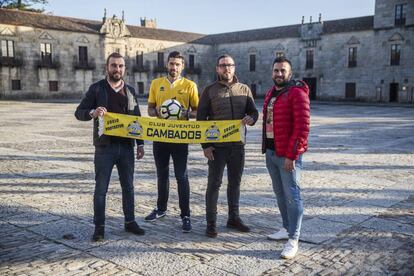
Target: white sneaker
{"type": "Point", "coordinates": [290, 249]}
{"type": "Point", "coordinates": [282, 234]}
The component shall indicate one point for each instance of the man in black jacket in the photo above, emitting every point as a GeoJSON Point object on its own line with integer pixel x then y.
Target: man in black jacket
{"type": "Point", "coordinates": [112, 94]}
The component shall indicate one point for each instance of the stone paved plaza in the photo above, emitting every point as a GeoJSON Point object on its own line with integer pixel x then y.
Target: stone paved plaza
{"type": "Point", "coordinates": [358, 190]}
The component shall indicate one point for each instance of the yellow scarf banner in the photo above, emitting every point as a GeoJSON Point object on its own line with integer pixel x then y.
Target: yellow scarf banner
{"type": "Point", "coordinates": [171, 131]}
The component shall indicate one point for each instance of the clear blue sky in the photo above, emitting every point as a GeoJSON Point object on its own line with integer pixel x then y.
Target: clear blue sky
{"type": "Point", "coordinates": [214, 16]}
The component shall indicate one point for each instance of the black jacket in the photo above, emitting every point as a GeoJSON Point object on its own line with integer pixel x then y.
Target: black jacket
{"type": "Point", "coordinates": [96, 96]}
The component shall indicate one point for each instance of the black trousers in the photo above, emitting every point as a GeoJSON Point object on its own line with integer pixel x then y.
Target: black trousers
{"type": "Point", "coordinates": [120, 155]}
{"type": "Point", "coordinates": [179, 153]}
{"type": "Point", "coordinates": [233, 157]}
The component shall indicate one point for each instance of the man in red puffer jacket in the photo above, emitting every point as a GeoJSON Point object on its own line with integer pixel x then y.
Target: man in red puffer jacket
{"type": "Point", "coordinates": [286, 120]}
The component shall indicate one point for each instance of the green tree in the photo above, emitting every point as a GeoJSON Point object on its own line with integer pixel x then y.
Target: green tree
{"type": "Point", "coordinates": [25, 5]}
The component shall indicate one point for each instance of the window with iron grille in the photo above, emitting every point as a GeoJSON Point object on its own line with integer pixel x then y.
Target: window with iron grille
{"type": "Point", "coordinates": [400, 14]}
{"type": "Point", "coordinates": [53, 86]}
{"type": "Point", "coordinates": [16, 85]}
{"type": "Point", "coordinates": [140, 87]}
{"type": "Point", "coordinates": [253, 88]}
{"type": "Point", "coordinates": [7, 48]}
{"type": "Point", "coordinates": [139, 59]}
{"type": "Point", "coordinates": [395, 54]}
{"type": "Point", "coordinates": [350, 90]}
{"type": "Point", "coordinates": [160, 59]}
{"type": "Point", "coordinates": [352, 57]}
{"type": "Point", "coordinates": [83, 55]}
{"type": "Point", "coordinates": [46, 53]}
{"type": "Point", "coordinates": [309, 59]}
{"type": "Point", "coordinates": [191, 61]}
{"type": "Point", "coordinates": [252, 66]}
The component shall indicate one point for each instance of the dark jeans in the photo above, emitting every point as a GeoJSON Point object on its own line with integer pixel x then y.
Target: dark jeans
{"type": "Point", "coordinates": [233, 157]}
{"type": "Point", "coordinates": [121, 155]}
{"type": "Point", "coordinates": [179, 154]}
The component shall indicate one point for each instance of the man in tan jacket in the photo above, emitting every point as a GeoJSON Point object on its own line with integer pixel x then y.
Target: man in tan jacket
{"type": "Point", "coordinates": [226, 99]}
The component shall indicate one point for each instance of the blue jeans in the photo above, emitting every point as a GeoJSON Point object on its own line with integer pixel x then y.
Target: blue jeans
{"type": "Point", "coordinates": [179, 153]}
{"type": "Point", "coordinates": [287, 190]}
{"type": "Point", "coordinates": [121, 155]}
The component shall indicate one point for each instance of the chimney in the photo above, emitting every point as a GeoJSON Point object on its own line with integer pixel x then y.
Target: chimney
{"type": "Point", "coordinates": [148, 23]}
{"type": "Point", "coordinates": [104, 17]}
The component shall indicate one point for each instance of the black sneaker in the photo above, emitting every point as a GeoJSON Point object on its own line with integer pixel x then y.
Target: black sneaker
{"type": "Point", "coordinates": [211, 230]}
{"type": "Point", "coordinates": [134, 228]}
{"type": "Point", "coordinates": [238, 224]}
{"type": "Point", "coordinates": [99, 233]}
{"type": "Point", "coordinates": [186, 225]}
{"type": "Point", "coordinates": [155, 214]}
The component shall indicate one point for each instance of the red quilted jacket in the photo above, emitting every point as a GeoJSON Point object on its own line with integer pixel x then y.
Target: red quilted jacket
{"type": "Point", "coordinates": [291, 120]}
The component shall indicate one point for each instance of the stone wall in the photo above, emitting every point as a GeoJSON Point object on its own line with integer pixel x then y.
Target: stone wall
{"type": "Point", "coordinates": [34, 78]}
{"type": "Point", "coordinates": [373, 75]}
{"type": "Point", "coordinates": [74, 82]}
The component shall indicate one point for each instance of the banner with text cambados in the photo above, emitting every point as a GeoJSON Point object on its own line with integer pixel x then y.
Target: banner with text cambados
{"type": "Point", "coordinates": [161, 130]}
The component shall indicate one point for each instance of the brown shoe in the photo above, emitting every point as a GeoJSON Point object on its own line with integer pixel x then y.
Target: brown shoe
{"type": "Point", "coordinates": [211, 231]}
{"type": "Point", "coordinates": [238, 224]}
{"type": "Point", "coordinates": [134, 228]}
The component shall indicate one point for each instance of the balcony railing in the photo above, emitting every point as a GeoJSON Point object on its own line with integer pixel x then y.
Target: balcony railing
{"type": "Point", "coordinates": [10, 62]}
{"type": "Point", "coordinates": [88, 65]}
{"type": "Point", "coordinates": [160, 69]}
{"type": "Point", "coordinates": [48, 63]}
{"type": "Point", "coordinates": [138, 68]}
{"type": "Point", "coordinates": [192, 70]}
{"type": "Point", "coordinates": [399, 21]}
{"type": "Point", "coordinates": [352, 63]}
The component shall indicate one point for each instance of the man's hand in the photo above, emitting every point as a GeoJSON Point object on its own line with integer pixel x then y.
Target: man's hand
{"type": "Point", "coordinates": [184, 114]}
{"type": "Point", "coordinates": [289, 165]}
{"type": "Point", "coordinates": [99, 111]}
{"type": "Point", "coordinates": [209, 153]}
{"type": "Point", "coordinates": [153, 110]}
{"type": "Point", "coordinates": [140, 152]}
{"type": "Point", "coordinates": [247, 120]}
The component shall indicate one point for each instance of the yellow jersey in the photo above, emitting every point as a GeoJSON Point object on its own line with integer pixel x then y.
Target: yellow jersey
{"type": "Point", "coordinates": [183, 90]}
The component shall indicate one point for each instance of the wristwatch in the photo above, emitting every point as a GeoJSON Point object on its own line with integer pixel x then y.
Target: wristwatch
{"type": "Point", "coordinates": [91, 112]}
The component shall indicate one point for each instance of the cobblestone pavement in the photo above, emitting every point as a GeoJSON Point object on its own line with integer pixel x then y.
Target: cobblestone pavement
{"type": "Point", "coordinates": [358, 190]}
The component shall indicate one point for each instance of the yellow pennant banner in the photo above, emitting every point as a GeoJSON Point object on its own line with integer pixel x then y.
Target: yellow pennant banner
{"type": "Point", "coordinates": [171, 131]}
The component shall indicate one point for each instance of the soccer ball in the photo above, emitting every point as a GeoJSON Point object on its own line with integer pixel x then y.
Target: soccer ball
{"type": "Point", "coordinates": [170, 109]}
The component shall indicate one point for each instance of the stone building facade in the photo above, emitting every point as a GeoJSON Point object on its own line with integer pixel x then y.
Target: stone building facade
{"type": "Point", "coordinates": [366, 58]}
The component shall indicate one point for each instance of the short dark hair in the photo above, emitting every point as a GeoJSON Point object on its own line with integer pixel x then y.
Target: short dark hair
{"type": "Point", "coordinates": [113, 55]}
{"type": "Point", "coordinates": [224, 56]}
{"type": "Point", "coordinates": [176, 54]}
{"type": "Point", "coordinates": [280, 60]}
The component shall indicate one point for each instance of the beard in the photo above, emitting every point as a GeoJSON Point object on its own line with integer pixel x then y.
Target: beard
{"type": "Point", "coordinates": [280, 83]}
{"type": "Point", "coordinates": [172, 73]}
{"type": "Point", "coordinates": [115, 77]}
{"type": "Point", "coordinates": [226, 77]}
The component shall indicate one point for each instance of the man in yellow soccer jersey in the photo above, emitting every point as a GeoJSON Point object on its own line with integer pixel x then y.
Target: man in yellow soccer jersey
{"type": "Point", "coordinates": [173, 86]}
